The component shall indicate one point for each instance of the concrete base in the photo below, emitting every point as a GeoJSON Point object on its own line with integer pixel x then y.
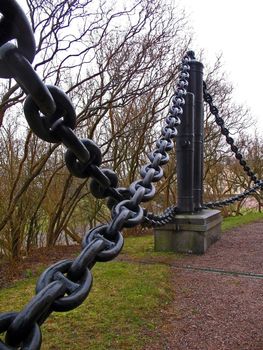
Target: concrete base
{"type": "Point", "coordinates": [189, 233]}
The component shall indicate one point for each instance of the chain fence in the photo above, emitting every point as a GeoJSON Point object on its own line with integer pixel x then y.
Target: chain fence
{"type": "Point", "coordinates": [153, 220]}
{"type": "Point", "coordinates": [52, 117]}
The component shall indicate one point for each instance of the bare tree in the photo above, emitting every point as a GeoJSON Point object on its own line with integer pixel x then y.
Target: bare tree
{"type": "Point", "coordinates": [117, 63]}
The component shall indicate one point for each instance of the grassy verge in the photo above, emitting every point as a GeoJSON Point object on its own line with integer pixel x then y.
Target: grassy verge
{"type": "Point", "coordinates": [142, 247]}
{"type": "Point", "coordinates": [235, 221]}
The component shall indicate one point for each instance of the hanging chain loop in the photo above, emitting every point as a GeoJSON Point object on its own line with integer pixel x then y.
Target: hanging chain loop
{"type": "Point", "coordinates": [224, 131]}
{"type": "Point", "coordinates": [220, 122]}
{"type": "Point", "coordinates": [153, 220]}
{"type": "Point", "coordinates": [236, 198]}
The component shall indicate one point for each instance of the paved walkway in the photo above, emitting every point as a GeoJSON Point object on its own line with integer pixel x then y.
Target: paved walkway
{"type": "Point", "coordinates": [218, 297]}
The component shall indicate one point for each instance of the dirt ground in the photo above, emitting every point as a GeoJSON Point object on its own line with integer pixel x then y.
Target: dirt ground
{"type": "Point", "coordinates": [218, 297]}
{"type": "Point", "coordinates": [32, 264]}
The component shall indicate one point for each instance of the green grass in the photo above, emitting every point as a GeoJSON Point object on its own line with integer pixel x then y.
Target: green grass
{"type": "Point", "coordinates": [141, 247]}
{"type": "Point", "coordinates": [120, 312]}
{"type": "Point", "coordinates": [235, 221]}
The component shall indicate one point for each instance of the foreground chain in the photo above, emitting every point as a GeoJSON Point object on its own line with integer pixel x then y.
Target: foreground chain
{"type": "Point", "coordinates": [50, 114]}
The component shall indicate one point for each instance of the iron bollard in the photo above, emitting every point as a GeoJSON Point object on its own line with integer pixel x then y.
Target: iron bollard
{"type": "Point", "coordinates": [196, 87]}
{"type": "Point", "coordinates": [185, 157]}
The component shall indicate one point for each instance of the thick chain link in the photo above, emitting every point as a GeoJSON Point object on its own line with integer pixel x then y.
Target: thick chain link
{"type": "Point", "coordinates": [220, 122]}
{"type": "Point", "coordinates": [50, 114]}
{"type": "Point", "coordinates": [14, 25]}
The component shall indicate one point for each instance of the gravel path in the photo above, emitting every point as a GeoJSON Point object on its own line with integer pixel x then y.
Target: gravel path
{"type": "Point", "coordinates": [214, 311]}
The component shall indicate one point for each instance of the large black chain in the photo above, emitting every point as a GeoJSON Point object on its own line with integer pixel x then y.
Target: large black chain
{"type": "Point", "coordinates": [224, 131]}
{"type": "Point", "coordinates": [50, 114]}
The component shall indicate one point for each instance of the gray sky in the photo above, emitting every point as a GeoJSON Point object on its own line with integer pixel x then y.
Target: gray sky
{"type": "Point", "coordinates": [235, 29]}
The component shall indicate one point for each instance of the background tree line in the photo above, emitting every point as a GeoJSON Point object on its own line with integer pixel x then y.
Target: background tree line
{"type": "Point", "coordinates": [119, 65]}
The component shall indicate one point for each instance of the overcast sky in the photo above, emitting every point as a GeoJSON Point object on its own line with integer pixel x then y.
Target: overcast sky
{"type": "Point", "coordinates": [235, 29]}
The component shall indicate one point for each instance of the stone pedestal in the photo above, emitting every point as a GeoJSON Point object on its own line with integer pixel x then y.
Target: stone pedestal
{"type": "Point", "coordinates": [189, 233]}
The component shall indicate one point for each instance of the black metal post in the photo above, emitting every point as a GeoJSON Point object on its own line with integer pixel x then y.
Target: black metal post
{"type": "Point", "coordinates": [196, 87]}
{"type": "Point", "coordinates": [185, 157]}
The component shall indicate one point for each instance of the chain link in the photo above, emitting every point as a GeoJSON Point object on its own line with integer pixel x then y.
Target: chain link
{"type": "Point", "coordinates": [51, 115]}
{"type": "Point", "coordinates": [18, 29]}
